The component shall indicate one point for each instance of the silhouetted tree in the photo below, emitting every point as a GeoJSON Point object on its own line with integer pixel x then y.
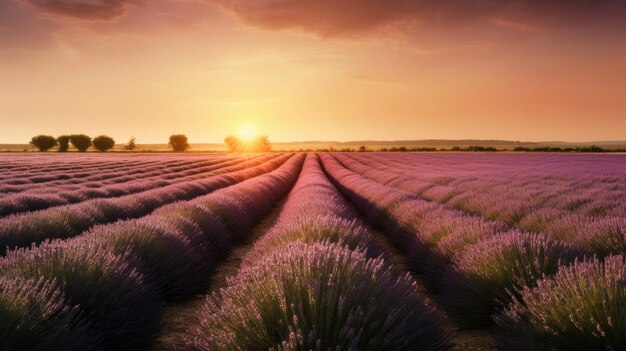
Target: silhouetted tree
{"type": "Point", "coordinates": [262, 144]}
{"type": "Point", "coordinates": [362, 148]}
{"type": "Point", "coordinates": [81, 142]}
{"type": "Point", "coordinates": [43, 142]}
{"type": "Point", "coordinates": [178, 142]}
{"type": "Point", "coordinates": [64, 143]}
{"type": "Point", "coordinates": [130, 146]}
{"type": "Point", "coordinates": [233, 144]}
{"type": "Point", "coordinates": [103, 143]}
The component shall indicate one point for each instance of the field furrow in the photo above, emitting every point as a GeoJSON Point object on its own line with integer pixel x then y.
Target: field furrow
{"type": "Point", "coordinates": [116, 175]}
{"type": "Point", "coordinates": [313, 251]}
{"type": "Point", "coordinates": [120, 274]}
{"type": "Point", "coordinates": [316, 273]}
{"type": "Point", "coordinates": [439, 241]}
{"type": "Point", "coordinates": [587, 233]}
{"type": "Point", "coordinates": [43, 198]}
{"type": "Point", "coordinates": [66, 221]}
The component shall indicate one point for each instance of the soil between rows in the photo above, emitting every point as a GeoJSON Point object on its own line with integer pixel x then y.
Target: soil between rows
{"type": "Point", "coordinates": [463, 339]}
{"type": "Point", "coordinates": [178, 316]}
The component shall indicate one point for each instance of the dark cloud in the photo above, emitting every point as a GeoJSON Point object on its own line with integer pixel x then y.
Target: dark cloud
{"type": "Point", "coordinates": [21, 30]}
{"type": "Point", "coordinates": [349, 17]}
{"type": "Point", "coordinates": [98, 10]}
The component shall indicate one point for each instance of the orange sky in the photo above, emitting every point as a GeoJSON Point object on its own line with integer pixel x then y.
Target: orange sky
{"type": "Point", "coordinates": [314, 69]}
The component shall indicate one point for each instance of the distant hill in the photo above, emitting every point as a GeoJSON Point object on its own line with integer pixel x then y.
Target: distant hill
{"type": "Point", "coordinates": [371, 145]}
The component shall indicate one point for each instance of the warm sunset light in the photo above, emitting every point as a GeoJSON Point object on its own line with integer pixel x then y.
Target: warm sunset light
{"type": "Point", "coordinates": [525, 70]}
{"type": "Point", "coordinates": [218, 175]}
{"type": "Point", "coordinates": [247, 132]}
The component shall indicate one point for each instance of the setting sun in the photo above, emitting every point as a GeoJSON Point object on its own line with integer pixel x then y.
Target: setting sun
{"type": "Point", "coordinates": [247, 132]}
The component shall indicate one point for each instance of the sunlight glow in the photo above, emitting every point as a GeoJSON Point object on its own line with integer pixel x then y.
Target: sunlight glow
{"type": "Point", "coordinates": [247, 132]}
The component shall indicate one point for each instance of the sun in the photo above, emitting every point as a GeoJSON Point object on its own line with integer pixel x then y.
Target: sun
{"type": "Point", "coordinates": [247, 132]}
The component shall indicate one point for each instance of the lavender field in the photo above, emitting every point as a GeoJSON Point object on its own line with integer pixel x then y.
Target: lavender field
{"type": "Point", "coordinates": [313, 251]}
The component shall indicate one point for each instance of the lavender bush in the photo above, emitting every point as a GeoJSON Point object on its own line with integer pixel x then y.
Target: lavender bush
{"type": "Point", "coordinates": [168, 258]}
{"type": "Point", "coordinates": [583, 307]}
{"type": "Point", "coordinates": [34, 315]}
{"type": "Point", "coordinates": [114, 296]}
{"type": "Point", "coordinates": [318, 297]}
{"type": "Point", "coordinates": [486, 274]}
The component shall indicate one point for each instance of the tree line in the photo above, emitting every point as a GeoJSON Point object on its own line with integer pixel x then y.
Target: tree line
{"type": "Point", "coordinates": [80, 142]}
{"type": "Point", "coordinates": [102, 143]}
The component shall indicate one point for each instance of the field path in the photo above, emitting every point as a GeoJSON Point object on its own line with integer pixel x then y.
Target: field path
{"type": "Point", "coordinates": [177, 316]}
{"type": "Point", "coordinates": [464, 339]}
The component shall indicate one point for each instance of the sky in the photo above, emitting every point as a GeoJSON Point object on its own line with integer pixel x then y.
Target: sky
{"type": "Point", "coordinates": [530, 70]}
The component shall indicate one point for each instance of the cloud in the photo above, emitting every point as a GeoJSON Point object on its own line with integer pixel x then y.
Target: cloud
{"type": "Point", "coordinates": [335, 18]}
{"type": "Point", "coordinates": [92, 10]}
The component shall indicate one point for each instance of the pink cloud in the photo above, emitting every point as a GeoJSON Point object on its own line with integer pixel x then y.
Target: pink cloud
{"type": "Point", "coordinates": [92, 10]}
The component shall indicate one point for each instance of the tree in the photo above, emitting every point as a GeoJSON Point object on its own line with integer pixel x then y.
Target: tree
{"type": "Point", "coordinates": [64, 143]}
{"type": "Point", "coordinates": [103, 143]}
{"type": "Point", "coordinates": [362, 148]}
{"type": "Point", "coordinates": [131, 145]}
{"type": "Point", "coordinates": [262, 144]}
{"type": "Point", "coordinates": [80, 141]}
{"type": "Point", "coordinates": [232, 143]}
{"type": "Point", "coordinates": [178, 142]}
{"type": "Point", "coordinates": [43, 142]}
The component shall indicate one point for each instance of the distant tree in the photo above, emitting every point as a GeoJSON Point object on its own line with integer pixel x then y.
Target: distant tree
{"type": "Point", "coordinates": [178, 142]}
{"type": "Point", "coordinates": [103, 143]}
{"type": "Point", "coordinates": [130, 146]}
{"type": "Point", "coordinates": [362, 148]}
{"type": "Point", "coordinates": [233, 143]}
{"type": "Point", "coordinates": [64, 143]}
{"type": "Point", "coordinates": [262, 144]}
{"type": "Point", "coordinates": [43, 142]}
{"type": "Point", "coordinates": [592, 148]}
{"type": "Point", "coordinates": [81, 142]}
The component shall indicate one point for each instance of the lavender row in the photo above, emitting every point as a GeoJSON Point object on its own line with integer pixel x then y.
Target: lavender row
{"type": "Point", "coordinates": [44, 198]}
{"type": "Point", "coordinates": [573, 190]}
{"type": "Point", "coordinates": [105, 289]}
{"type": "Point", "coordinates": [555, 306]}
{"type": "Point", "coordinates": [118, 174]}
{"type": "Point", "coordinates": [36, 163]}
{"type": "Point", "coordinates": [601, 236]}
{"type": "Point", "coordinates": [111, 174]}
{"type": "Point", "coordinates": [66, 221]}
{"type": "Point", "coordinates": [316, 212]}
{"type": "Point", "coordinates": [581, 308]}
{"type": "Point", "coordinates": [472, 262]}
{"type": "Point", "coordinates": [311, 284]}
{"type": "Point", "coordinates": [41, 173]}
{"type": "Point", "coordinates": [570, 183]}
